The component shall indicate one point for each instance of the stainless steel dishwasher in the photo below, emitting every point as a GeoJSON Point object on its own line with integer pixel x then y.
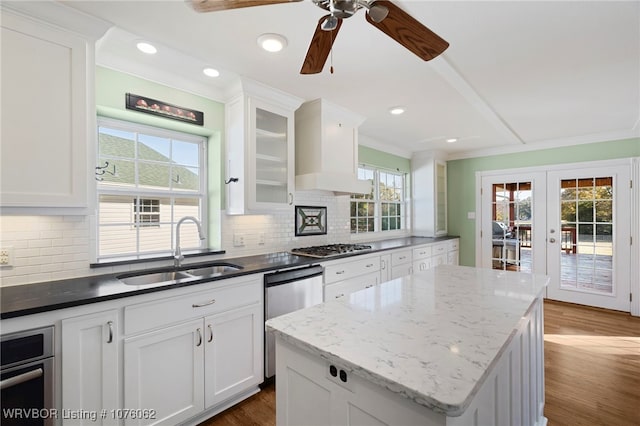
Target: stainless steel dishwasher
{"type": "Point", "coordinates": [287, 291]}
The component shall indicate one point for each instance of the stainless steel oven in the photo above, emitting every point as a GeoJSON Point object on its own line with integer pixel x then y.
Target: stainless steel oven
{"type": "Point", "coordinates": [26, 377]}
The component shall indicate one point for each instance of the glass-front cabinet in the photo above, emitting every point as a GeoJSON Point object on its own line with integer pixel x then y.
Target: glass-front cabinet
{"type": "Point", "coordinates": [260, 150]}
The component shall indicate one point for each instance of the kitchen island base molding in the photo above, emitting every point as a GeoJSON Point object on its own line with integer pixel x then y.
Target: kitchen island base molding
{"type": "Point", "coordinates": [511, 394]}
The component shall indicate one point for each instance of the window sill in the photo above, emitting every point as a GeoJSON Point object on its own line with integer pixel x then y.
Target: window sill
{"type": "Point", "coordinates": [129, 260]}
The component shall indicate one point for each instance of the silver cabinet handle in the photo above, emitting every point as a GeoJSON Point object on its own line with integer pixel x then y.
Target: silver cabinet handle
{"type": "Point", "coordinates": [402, 257]}
{"type": "Point", "coordinates": [368, 286]}
{"type": "Point", "coordinates": [339, 272]}
{"type": "Point", "coordinates": [210, 333]}
{"type": "Point", "coordinates": [110, 325]}
{"type": "Point", "coordinates": [383, 265]}
{"type": "Point", "coordinates": [199, 337]}
{"type": "Point", "coordinates": [21, 378]}
{"type": "Point", "coordinates": [369, 265]}
{"type": "Point", "coordinates": [340, 295]}
{"type": "Point", "coordinates": [200, 305]}
{"type": "Point", "coordinates": [290, 198]}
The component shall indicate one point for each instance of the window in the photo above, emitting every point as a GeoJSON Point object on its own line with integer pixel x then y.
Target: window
{"type": "Point", "coordinates": [383, 209]}
{"type": "Point", "coordinates": [147, 180]}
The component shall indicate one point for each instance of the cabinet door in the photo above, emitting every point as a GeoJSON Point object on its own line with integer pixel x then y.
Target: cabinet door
{"type": "Point", "coordinates": [44, 116]}
{"type": "Point", "coordinates": [421, 265]}
{"type": "Point", "coordinates": [272, 156]}
{"type": "Point", "coordinates": [401, 270]}
{"type": "Point", "coordinates": [441, 198]}
{"type": "Point", "coordinates": [234, 353]}
{"type": "Point", "coordinates": [164, 371]}
{"type": "Point", "coordinates": [90, 365]}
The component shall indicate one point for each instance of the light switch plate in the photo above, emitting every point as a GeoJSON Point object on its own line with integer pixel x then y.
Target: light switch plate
{"type": "Point", "coordinates": [471, 215]}
{"type": "Point", "coordinates": [6, 256]}
{"type": "Point", "coordinates": [238, 240]}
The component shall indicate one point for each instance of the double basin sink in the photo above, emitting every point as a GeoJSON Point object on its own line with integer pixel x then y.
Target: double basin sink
{"type": "Point", "coordinates": [168, 275]}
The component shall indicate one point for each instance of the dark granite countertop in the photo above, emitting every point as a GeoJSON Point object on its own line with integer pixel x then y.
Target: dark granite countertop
{"type": "Point", "coordinates": [34, 298]}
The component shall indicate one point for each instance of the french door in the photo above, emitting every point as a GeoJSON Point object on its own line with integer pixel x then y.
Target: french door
{"type": "Point", "coordinates": [571, 223]}
{"type": "Point", "coordinates": [588, 241]}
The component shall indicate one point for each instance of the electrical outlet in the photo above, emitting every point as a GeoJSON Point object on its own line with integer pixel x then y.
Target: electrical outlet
{"type": "Point", "coordinates": [261, 239]}
{"type": "Point", "coordinates": [238, 240]}
{"type": "Point", "coordinates": [6, 256]}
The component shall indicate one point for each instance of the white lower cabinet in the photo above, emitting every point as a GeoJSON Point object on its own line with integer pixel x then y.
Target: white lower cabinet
{"type": "Point", "coordinates": [233, 348]}
{"type": "Point", "coordinates": [164, 373]}
{"type": "Point", "coordinates": [90, 365]}
{"type": "Point", "coordinates": [211, 356]}
{"type": "Point", "coordinates": [401, 263]}
{"type": "Point", "coordinates": [344, 288]}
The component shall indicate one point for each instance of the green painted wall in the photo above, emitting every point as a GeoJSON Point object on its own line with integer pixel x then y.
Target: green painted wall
{"type": "Point", "coordinates": [461, 180]}
{"type": "Point", "coordinates": [111, 87]}
{"type": "Point", "coordinates": [373, 157]}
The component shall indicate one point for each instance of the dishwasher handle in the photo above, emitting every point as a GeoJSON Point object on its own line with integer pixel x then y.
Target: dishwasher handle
{"type": "Point", "coordinates": [291, 275]}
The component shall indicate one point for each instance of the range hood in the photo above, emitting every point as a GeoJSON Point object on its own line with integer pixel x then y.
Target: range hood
{"type": "Point", "coordinates": [327, 149]}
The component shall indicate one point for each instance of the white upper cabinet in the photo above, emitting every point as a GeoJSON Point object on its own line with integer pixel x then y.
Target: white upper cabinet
{"type": "Point", "coordinates": [48, 111]}
{"type": "Point", "coordinates": [260, 149]}
{"type": "Point", "coordinates": [327, 148]}
{"type": "Point", "coordinates": [429, 188]}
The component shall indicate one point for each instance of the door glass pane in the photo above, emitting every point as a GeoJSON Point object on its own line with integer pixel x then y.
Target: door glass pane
{"type": "Point", "coordinates": [586, 234]}
{"type": "Point", "coordinates": [512, 226]}
{"type": "Point", "coordinates": [271, 157]}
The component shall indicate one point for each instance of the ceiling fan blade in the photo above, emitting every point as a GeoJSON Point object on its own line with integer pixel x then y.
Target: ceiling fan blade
{"type": "Point", "coordinates": [407, 31]}
{"type": "Point", "coordinates": [319, 48]}
{"type": "Point", "coordinates": [215, 5]}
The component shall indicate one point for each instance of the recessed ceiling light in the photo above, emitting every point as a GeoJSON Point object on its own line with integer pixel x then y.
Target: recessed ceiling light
{"type": "Point", "coordinates": [272, 42]}
{"type": "Point", "coordinates": [396, 110]}
{"type": "Point", "coordinates": [211, 72]}
{"type": "Point", "coordinates": [452, 140]}
{"type": "Point", "coordinates": [147, 48]}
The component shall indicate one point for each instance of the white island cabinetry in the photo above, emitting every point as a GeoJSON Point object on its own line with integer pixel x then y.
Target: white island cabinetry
{"type": "Point", "coordinates": [417, 351]}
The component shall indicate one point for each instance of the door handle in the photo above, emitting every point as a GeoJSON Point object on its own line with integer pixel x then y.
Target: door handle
{"type": "Point", "coordinates": [552, 240]}
{"type": "Point", "coordinates": [21, 378]}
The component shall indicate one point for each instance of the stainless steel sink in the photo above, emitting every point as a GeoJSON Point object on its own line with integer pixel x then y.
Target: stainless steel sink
{"type": "Point", "coordinates": [213, 270]}
{"type": "Point", "coordinates": [154, 278]}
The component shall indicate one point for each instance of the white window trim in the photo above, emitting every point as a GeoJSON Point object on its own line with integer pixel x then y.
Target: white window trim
{"type": "Point", "coordinates": [378, 233]}
{"type": "Point", "coordinates": [130, 126]}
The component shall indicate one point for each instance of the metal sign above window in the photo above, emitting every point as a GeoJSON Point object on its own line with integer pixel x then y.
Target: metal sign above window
{"type": "Point", "coordinates": [163, 109]}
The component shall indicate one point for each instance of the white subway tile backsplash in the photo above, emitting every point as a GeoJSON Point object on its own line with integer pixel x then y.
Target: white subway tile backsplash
{"type": "Point", "coordinates": [61, 247]}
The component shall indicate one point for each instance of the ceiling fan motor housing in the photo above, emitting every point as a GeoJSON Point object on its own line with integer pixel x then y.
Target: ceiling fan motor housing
{"type": "Point", "coordinates": [339, 8]}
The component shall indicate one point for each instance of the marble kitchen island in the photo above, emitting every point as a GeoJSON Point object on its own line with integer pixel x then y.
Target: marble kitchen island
{"type": "Point", "coordinates": [452, 345]}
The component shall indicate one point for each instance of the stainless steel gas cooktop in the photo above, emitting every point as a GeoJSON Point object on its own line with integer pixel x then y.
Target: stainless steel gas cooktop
{"type": "Point", "coordinates": [330, 250]}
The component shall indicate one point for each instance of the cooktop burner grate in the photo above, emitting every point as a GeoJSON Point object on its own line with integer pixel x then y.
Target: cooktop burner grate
{"type": "Point", "coordinates": [330, 250]}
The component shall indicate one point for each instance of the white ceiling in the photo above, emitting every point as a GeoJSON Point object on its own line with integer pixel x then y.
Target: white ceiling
{"type": "Point", "coordinates": [517, 74]}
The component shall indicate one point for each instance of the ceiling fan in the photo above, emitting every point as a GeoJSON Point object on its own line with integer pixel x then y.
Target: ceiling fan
{"type": "Point", "coordinates": [382, 14]}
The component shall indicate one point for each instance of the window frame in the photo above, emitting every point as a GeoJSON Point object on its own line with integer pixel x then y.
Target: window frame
{"type": "Point", "coordinates": [377, 202]}
{"type": "Point", "coordinates": [139, 194]}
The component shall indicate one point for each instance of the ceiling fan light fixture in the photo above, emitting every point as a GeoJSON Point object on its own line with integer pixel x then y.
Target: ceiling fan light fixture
{"type": "Point", "coordinates": [146, 47]}
{"type": "Point", "coordinates": [377, 13]}
{"type": "Point", "coordinates": [211, 72]}
{"type": "Point", "coordinates": [272, 42]}
{"type": "Point", "coordinates": [396, 110]}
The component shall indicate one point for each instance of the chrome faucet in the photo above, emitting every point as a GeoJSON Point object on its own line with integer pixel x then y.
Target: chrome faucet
{"type": "Point", "coordinates": [177, 255]}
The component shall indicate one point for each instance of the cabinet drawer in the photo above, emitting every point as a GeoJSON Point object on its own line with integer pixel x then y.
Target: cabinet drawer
{"type": "Point", "coordinates": [400, 257]}
{"type": "Point", "coordinates": [421, 252]}
{"type": "Point", "coordinates": [158, 313]}
{"type": "Point", "coordinates": [454, 244]}
{"type": "Point", "coordinates": [344, 288]}
{"type": "Point", "coordinates": [438, 249]}
{"type": "Point", "coordinates": [344, 271]}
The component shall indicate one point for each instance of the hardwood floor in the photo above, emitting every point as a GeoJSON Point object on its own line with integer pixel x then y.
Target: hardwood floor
{"type": "Point", "coordinates": [592, 372]}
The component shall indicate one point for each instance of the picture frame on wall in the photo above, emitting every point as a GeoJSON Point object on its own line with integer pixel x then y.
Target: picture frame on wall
{"type": "Point", "coordinates": [310, 220]}
{"type": "Point", "coordinates": [163, 109]}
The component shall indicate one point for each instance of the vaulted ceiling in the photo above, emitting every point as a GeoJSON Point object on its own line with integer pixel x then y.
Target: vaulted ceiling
{"type": "Point", "coordinates": [517, 73]}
